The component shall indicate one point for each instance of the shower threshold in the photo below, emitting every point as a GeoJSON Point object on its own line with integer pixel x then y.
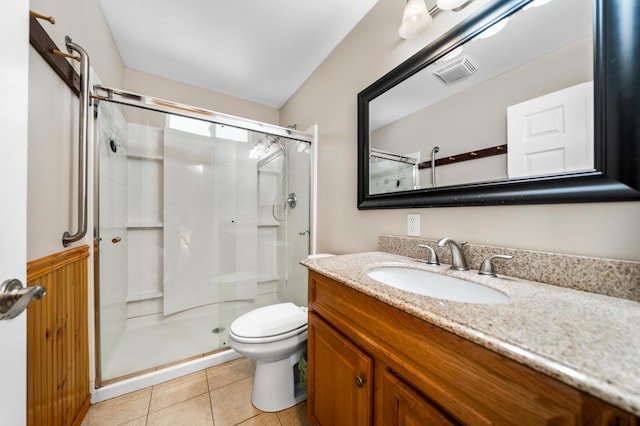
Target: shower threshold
{"type": "Point", "coordinates": [136, 381]}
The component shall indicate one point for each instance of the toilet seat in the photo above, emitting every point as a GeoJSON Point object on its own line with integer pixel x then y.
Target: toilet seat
{"type": "Point", "coordinates": [269, 323]}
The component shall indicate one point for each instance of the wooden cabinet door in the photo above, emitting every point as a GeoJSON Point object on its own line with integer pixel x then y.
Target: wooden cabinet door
{"type": "Point", "coordinates": [403, 406]}
{"type": "Point", "coordinates": [339, 378]}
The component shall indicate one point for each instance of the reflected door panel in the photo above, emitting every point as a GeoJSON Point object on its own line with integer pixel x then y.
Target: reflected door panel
{"type": "Point", "coordinates": [551, 134]}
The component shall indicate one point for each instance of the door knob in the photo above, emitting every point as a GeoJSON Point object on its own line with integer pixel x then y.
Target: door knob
{"type": "Point", "coordinates": [359, 381]}
{"type": "Point", "coordinates": [14, 297]}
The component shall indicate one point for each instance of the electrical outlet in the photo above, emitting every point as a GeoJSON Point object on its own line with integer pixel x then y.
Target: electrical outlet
{"type": "Point", "coordinates": [413, 224]}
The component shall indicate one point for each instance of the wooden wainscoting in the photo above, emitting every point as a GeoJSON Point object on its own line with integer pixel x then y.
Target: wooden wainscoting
{"type": "Point", "coordinates": [57, 340]}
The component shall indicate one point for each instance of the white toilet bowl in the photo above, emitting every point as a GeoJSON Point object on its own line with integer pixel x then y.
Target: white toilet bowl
{"type": "Point", "coordinates": [275, 336]}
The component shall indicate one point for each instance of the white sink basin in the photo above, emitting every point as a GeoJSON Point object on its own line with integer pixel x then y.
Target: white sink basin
{"type": "Point", "coordinates": [436, 285]}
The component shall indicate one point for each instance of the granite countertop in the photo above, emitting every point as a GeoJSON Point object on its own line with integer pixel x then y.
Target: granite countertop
{"type": "Point", "coordinates": [585, 340]}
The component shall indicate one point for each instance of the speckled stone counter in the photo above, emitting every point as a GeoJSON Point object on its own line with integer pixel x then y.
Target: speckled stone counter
{"type": "Point", "coordinates": [611, 277]}
{"type": "Point", "coordinates": [588, 341]}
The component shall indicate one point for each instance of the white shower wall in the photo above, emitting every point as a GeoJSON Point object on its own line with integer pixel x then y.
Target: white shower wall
{"type": "Point", "coordinates": [132, 247]}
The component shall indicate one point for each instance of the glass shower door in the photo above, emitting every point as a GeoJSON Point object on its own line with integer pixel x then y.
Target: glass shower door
{"type": "Point", "coordinates": [196, 226]}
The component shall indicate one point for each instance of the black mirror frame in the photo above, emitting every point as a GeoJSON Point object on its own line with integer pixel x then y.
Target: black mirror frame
{"type": "Point", "coordinates": [616, 126]}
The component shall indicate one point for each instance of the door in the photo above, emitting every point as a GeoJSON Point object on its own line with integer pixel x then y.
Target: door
{"type": "Point", "coordinates": [13, 195]}
{"type": "Point", "coordinates": [340, 385]}
{"type": "Point", "coordinates": [403, 406]}
{"type": "Point", "coordinates": [551, 134]}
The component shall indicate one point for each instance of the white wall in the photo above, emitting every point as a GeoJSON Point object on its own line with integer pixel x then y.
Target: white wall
{"type": "Point", "coordinates": [53, 122]}
{"type": "Point", "coordinates": [84, 22]}
{"type": "Point", "coordinates": [328, 98]}
{"type": "Point", "coordinates": [160, 87]}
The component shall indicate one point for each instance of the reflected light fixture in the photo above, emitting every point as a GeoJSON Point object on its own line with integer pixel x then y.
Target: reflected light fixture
{"type": "Point", "coordinates": [494, 29]}
{"type": "Point", "coordinates": [415, 19]}
{"type": "Point", "coordinates": [453, 54]}
{"type": "Point", "coordinates": [535, 3]}
{"type": "Point", "coordinates": [454, 5]}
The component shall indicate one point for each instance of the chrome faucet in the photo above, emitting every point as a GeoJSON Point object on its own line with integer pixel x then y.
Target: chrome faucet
{"type": "Point", "coordinates": [458, 262]}
{"type": "Point", "coordinates": [433, 257]}
{"type": "Point", "coordinates": [487, 265]}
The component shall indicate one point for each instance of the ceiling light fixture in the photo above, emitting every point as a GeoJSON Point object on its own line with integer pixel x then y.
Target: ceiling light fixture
{"type": "Point", "coordinates": [454, 53]}
{"type": "Point", "coordinates": [494, 29]}
{"type": "Point", "coordinates": [415, 19]}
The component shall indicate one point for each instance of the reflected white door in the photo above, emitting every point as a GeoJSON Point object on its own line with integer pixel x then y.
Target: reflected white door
{"type": "Point", "coordinates": [14, 25]}
{"type": "Point", "coordinates": [551, 134]}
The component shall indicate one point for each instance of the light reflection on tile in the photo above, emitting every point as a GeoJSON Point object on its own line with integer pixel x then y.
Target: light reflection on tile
{"type": "Point", "coordinates": [178, 390]}
{"type": "Point", "coordinates": [119, 410]}
{"type": "Point", "coordinates": [194, 412]}
{"type": "Point", "coordinates": [231, 404]}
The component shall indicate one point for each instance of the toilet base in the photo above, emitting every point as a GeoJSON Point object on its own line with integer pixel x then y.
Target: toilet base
{"type": "Point", "coordinates": [274, 386]}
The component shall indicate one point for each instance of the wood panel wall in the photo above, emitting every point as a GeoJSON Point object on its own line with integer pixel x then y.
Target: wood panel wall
{"type": "Point", "coordinates": [57, 340]}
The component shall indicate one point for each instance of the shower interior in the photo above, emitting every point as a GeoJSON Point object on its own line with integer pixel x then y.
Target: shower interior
{"type": "Point", "coordinates": [198, 222]}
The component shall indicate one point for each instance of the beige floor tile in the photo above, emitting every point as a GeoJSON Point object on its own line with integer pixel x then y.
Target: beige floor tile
{"type": "Point", "coordinates": [224, 374]}
{"type": "Point", "coordinates": [294, 416]}
{"type": "Point", "coordinates": [119, 410]}
{"type": "Point", "coordinates": [231, 404]}
{"type": "Point", "coordinates": [178, 390]}
{"type": "Point", "coordinates": [193, 412]}
{"type": "Point", "coordinates": [140, 421]}
{"type": "Point", "coordinates": [264, 419]}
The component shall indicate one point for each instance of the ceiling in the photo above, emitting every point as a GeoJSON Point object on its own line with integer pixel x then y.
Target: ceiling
{"type": "Point", "coordinates": [257, 50]}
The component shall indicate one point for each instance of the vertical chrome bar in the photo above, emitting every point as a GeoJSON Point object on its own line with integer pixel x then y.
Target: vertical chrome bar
{"type": "Point", "coordinates": [68, 238]}
{"type": "Point", "coordinates": [433, 165]}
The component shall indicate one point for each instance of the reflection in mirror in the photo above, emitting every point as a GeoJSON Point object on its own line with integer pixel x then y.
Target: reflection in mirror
{"type": "Point", "coordinates": [514, 101]}
{"type": "Point", "coordinates": [390, 172]}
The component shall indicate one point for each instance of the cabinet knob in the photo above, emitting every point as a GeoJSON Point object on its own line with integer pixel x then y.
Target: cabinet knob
{"type": "Point", "coordinates": [359, 382]}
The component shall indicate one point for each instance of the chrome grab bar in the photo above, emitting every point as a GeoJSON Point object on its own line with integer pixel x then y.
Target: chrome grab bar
{"type": "Point", "coordinates": [433, 165]}
{"type": "Point", "coordinates": [67, 237]}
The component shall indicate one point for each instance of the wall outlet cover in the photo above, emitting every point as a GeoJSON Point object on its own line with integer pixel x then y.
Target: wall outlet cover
{"type": "Point", "coordinates": [413, 224]}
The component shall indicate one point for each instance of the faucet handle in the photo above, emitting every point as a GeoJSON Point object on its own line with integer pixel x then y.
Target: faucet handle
{"type": "Point", "coordinates": [433, 257]}
{"type": "Point", "coordinates": [487, 265]}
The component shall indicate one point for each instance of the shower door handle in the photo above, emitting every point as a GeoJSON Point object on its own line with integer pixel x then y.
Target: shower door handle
{"type": "Point", "coordinates": [14, 297]}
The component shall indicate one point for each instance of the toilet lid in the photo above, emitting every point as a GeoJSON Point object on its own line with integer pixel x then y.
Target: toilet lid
{"type": "Point", "coordinates": [270, 321]}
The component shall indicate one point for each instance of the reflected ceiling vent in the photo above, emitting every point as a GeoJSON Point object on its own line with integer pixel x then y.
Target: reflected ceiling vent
{"type": "Point", "coordinates": [456, 70]}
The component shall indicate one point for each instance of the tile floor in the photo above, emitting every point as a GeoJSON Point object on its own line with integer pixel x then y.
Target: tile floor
{"type": "Point", "coordinates": [219, 396]}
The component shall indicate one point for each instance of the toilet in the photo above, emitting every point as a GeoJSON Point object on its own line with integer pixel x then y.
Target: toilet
{"type": "Point", "coordinates": [275, 337]}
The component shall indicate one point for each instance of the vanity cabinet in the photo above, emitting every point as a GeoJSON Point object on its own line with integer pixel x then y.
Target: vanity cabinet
{"type": "Point", "coordinates": [371, 363]}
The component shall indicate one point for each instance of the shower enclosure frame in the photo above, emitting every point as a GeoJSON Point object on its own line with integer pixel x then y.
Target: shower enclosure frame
{"type": "Point", "coordinates": [118, 96]}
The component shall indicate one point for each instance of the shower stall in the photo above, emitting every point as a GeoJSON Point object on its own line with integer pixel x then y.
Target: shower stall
{"type": "Point", "coordinates": [389, 172]}
{"type": "Point", "coordinates": [199, 218]}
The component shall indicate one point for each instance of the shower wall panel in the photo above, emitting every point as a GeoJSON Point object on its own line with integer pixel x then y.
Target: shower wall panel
{"type": "Point", "coordinates": [210, 234]}
{"type": "Point", "coordinates": [143, 242]}
{"type": "Point", "coordinates": [236, 188]}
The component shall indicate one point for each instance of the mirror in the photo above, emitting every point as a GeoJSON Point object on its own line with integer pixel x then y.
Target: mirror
{"type": "Point", "coordinates": [516, 105]}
